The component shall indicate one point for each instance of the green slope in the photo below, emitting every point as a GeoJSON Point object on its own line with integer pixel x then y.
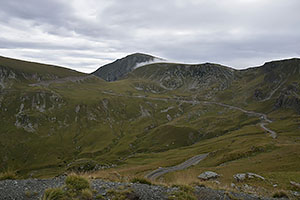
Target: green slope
{"type": "Point", "coordinates": [160, 115]}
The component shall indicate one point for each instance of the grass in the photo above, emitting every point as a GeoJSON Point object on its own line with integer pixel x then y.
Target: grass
{"type": "Point", "coordinates": [141, 181]}
{"type": "Point", "coordinates": [86, 194]}
{"type": "Point", "coordinates": [183, 192]}
{"type": "Point", "coordinates": [76, 187]}
{"type": "Point", "coordinates": [54, 194]}
{"type": "Point", "coordinates": [9, 174]}
{"type": "Point", "coordinates": [280, 194]}
{"type": "Point", "coordinates": [83, 129]}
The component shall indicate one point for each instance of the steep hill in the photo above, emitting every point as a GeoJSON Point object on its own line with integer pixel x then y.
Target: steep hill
{"type": "Point", "coordinates": [13, 70]}
{"type": "Point", "coordinates": [206, 79]}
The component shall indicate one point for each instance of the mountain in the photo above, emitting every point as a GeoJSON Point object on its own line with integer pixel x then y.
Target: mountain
{"type": "Point", "coordinates": [121, 67]}
{"type": "Point", "coordinates": [55, 120]}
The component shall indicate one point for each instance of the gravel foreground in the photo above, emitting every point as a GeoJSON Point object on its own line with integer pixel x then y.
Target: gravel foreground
{"type": "Point", "coordinates": [34, 189]}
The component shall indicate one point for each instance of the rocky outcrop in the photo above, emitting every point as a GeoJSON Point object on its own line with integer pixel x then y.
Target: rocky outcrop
{"type": "Point", "coordinates": [34, 189]}
{"type": "Point", "coordinates": [208, 175]}
{"type": "Point", "coordinates": [171, 76]}
{"type": "Point", "coordinates": [285, 101]}
{"type": "Point", "coordinates": [258, 95]}
{"type": "Point", "coordinates": [289, 98]}
{"type": "Point", "coordinates": [295, 184]}
{"type": "Point", "coordinates": [248, 175]}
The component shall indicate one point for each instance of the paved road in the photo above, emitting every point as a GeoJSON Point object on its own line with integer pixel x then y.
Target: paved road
{"type": "Point", "coordinates": [161, 171]}
{"type": "Point", "coordinates": [63, 80]}
{"type": "Point", "coordinates": [273, 134]}
{"type": "Point", "coordinates": [263, 117]}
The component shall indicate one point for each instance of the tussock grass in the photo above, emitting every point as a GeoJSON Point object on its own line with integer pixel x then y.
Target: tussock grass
{"type": "Point", "coordinates": [280, 194]}
{"type": "Point", "coordinates": [184, 192]}
{"type": "Point", "coordinates": [76, 187]}
{"type": "Point", "coordinates": [77, 183]}
{"type": "Point", "coordinates": [54, 194]}
{"type": "Point", "coordinates": [141, 180]}
{"type": "Point", "coordinates": [86, 194]}
{"type": "Point", "coordinates": [9, 174]}
{"type": "Point", "coordinates": [121, 194]}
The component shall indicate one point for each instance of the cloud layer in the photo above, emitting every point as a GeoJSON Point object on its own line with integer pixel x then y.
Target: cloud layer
{"type": "Point", "coordinates": [85, 34]}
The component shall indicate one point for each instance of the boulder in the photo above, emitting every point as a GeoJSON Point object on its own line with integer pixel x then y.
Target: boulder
{"type": "Point", "coordinates": [248, 175]}
{"type": "Point", "coordinates": [240, 177]}
{"type": "Point", "coordinates": [297, 185]}
{"type": "Point", "coordinates": [208, 175]}
{"type": "Point", "coordinates": [252, 175]}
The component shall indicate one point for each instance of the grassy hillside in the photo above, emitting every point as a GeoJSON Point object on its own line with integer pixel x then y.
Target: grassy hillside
{"type": "Point", "coordinates": [36, 68]}
{"type": "Point", "coordinates": [160, 115]}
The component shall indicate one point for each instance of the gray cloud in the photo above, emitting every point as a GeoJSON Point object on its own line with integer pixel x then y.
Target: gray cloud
{"type": "Point", "coordinates": [85, 34]}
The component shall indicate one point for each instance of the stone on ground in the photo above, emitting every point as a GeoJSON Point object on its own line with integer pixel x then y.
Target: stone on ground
{"type": "Point", "coordinates": [208, 175]}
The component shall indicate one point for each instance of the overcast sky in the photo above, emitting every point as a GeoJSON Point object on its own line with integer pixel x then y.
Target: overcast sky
{"type": "Point", "coordinates": [85, 34]}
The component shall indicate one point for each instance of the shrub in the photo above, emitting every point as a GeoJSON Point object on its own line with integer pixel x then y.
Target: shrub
{"type": "Point", "coordinates": [100, 197]}
{"type": "Point", "coordinates": [184, 192]}
{"type": "Point", "coordinates": [141, 181]}
{"type": "Point", "coordinates": [54, 194]}
{"type": "Point", "coordinates": [122, 195]}
{"type": "Point", "coordinates": [8, 175]}
{"type": "Point", "coordinates": [280, 194]}
{"type": "Point", "coordinates": [86, 194]}
{"type": "Point", "coordinates": [77, 183]}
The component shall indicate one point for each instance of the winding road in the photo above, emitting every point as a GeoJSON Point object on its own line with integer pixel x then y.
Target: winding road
{"type": "Point", "coordinates": [263, 117]}
{"type": "Point", "coordinates": [161, 171]}
{"type": "Point", "coordinates": [63, 80]}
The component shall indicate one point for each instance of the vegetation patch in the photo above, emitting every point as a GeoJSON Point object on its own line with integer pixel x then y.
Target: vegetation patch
{"type": "Point", "coordinates": [280, 194]}
{"type": "Point", "coordinates": [55, 194]}
{"type": "Point", "coordinates": [184, 192]}
{"type": "Point", "coordinates": [141, 181]}
{"type": "Point", "coordinates": [9, 174]}
{"type": "Point", "coordinates": [76, 187]}
{"type": "Point", "coordinates": [125, 194]}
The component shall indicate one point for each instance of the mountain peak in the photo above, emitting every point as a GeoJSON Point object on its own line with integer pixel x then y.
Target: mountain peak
{"type": "Point", "coordinates": [121, 67]}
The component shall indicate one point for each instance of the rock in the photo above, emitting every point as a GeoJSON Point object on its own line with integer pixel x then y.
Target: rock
{"type": "Point", "coordinates": [248, 175]}
{"type": "Point", "coordinates": [288, 101]}
{"type": "Point", "coordinates": [239, 177]}
{"type": "Point", "coordinates": [20, 189]}
{"type": "Point", "coordinates": [252, 175]}
{"type": "Point", "coordinates": [296, 194]}
{"type": "Point", "coordinates": [297, 185]}
{"type": "Point", "coordinates": [248, 187]}
{"type": "Point", "coordinates": [208, 175]}
{"type": "Point", "coordinates": [169, 117]}
{"type": "Point", "coordinates": [258, 94]}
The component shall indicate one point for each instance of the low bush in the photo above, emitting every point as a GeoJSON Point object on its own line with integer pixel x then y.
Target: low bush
{"type": "Point", "coordinates": [141, 181]}
{"type": "Point", "coordinates": [127, 194]}
{"type": "Point", "coordinates": [76, 187]}
{"type": "Point", "coordinates": [183, 193]}
{"type": "Point", "coordinates": [8, 175]}
{"type": "Point", "coordinates": [280, 194]}
{"type": "Point", "coordinates": [54, 194]}
{"type": "Point", "coordinates": [86, 194]}
{"type": "Point", "coordinates": [77, 183]}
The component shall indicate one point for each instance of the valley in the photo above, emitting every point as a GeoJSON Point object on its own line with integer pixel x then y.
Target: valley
{"type": "Point", "coordinates": [55, 121]}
